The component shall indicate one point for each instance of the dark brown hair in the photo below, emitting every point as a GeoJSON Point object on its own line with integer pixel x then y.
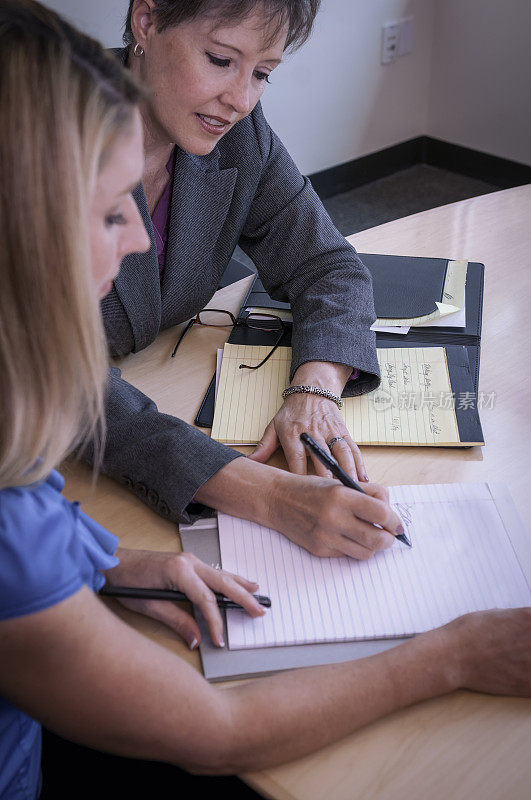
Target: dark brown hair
{"type": "Point", "coordinates": [298, 14]}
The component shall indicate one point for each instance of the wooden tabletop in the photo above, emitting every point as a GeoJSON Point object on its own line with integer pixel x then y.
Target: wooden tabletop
{"type": "Point", "coordinates": [464, 746]}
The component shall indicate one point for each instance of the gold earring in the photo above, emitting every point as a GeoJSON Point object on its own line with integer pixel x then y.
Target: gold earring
{"type": "Point", "coordinates": [138, 50]}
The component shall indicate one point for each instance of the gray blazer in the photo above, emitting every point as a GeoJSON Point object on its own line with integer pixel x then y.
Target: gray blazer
{"type": "Point", "coordinates": [249, 192]}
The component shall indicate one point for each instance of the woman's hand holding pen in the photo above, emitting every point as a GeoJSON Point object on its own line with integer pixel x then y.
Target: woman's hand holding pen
{"type": "Point", "coordinates": [331, 520]}
{"type": "Point", "coordinates": [319, 514]}
{"type": "Point", "coordinates": [187, 573]}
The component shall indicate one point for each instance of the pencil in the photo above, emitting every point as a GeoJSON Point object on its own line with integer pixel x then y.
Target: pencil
{"type": "Point", "coordinates": [330, 462]}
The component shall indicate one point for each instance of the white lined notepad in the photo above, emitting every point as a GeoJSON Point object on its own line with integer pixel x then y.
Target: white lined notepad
{"type": "Point", "coordinates": [462, 560]}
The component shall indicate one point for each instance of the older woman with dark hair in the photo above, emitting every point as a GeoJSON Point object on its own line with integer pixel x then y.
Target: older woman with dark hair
{"type": "Point", "coordinates": [217, 176]}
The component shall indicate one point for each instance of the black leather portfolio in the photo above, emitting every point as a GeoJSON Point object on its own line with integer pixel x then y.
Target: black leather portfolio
{"type": "Point", "coordinates": [403, 286]}
{"type": "Point", "coordinates": [234, 272]}
{"type": "Point", "coordinates": [424, 281]}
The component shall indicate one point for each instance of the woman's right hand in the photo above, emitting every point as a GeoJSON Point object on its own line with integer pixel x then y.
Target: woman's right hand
{"type": "Point", "coordinates": [331, 520]}
{"type": "Point", "coordinates": [320, 514]}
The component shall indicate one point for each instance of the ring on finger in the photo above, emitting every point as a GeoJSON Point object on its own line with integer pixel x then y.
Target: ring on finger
{"type": "Point", "coordinates": [333, 440]}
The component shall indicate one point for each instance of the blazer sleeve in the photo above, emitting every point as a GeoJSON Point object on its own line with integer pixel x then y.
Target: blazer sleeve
{"type": "Point", "coordinates": [160, 458]}
{"type": "Point", "coordinates": [303, 259]}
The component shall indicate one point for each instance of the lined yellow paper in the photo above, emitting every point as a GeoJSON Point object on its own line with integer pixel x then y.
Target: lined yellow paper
{"type": "Point", "coordinates": [412, 406]}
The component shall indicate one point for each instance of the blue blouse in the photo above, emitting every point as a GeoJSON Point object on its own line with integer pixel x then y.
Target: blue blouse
{"type": "Point", "coordinates": [48, 550]}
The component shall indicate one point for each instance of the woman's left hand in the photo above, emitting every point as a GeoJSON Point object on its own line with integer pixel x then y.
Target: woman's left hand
{"type": "Point", "coordinates": [186, 573]}
{"type": "Point", "coordinates": [319, 417]}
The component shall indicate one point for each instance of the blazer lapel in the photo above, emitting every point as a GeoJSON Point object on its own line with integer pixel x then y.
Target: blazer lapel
{"type": "Point", "coordinates": [138, 284]}
{"type": "Point", "coordinates": [201, 197]}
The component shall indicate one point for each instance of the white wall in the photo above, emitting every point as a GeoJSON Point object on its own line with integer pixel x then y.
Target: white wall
{"type": "Point", "coordinates": [481, 80]}
{"type": "Point", "coordinates": [466, 80]}
{"type": "Point", "coordinates": [102, 19]}
{"type": "Point", "coordinates": [333, 101]}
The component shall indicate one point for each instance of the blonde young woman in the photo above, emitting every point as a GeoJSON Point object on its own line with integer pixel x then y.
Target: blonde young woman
{"type": "Point", "coordinates": [70, 153]}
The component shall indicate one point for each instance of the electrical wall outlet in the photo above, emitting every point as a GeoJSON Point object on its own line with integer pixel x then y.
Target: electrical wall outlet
{"type": "Point", "coordinates": [390, 42]}
{"type": "Point", "coordinates": [397, 40]}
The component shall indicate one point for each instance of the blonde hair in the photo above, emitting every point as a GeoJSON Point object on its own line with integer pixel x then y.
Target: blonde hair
{"type": "Point", "coordinates": [63, 104]}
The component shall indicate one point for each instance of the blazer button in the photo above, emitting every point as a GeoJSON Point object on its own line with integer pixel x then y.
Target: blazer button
{"type": "Point", "coordinates": [152, 497]}
{"type": "Point", "coordinates": [140, 489]}
{"type": "Point", "coordinates": [163, 509]}
{"type": "Point", "coordinates": [126, 481]}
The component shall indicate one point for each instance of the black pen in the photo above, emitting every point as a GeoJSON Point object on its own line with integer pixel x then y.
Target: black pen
{"type": "Point", "coordinates": [330, 462]}
{"type": "Point", "coordinates": [140, 593]}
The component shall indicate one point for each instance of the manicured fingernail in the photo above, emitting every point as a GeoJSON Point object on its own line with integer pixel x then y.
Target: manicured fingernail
{"type": "Point", "coordinates": [365, 477]}
{"type": "Point", "coordinates": [221, 643]}
{"type": "Point", "coordinates": [193, 644]}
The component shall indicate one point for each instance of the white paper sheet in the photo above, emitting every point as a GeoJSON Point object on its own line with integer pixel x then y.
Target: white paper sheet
{"type": "Point", "coordinates": [403, 329]}
{"type": "Point", "coordinates": [462, 560]}
{"type": "Point", "coordinates": [455, 320]}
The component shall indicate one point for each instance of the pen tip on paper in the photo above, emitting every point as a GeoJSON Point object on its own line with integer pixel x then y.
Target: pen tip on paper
{"type": "Point", "coordinates": [401, 536]}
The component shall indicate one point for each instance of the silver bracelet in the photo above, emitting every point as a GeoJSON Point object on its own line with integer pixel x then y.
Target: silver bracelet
{"type": "Point", "coordinates": [313, 390]}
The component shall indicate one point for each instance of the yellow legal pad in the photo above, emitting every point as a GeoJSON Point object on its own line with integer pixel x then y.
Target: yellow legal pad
{"type": "Point", "coordinates": [414, 404]}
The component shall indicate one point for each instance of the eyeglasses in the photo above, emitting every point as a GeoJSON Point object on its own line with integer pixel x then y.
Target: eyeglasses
{"type": "Point", "coordinates": [217, 318]}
